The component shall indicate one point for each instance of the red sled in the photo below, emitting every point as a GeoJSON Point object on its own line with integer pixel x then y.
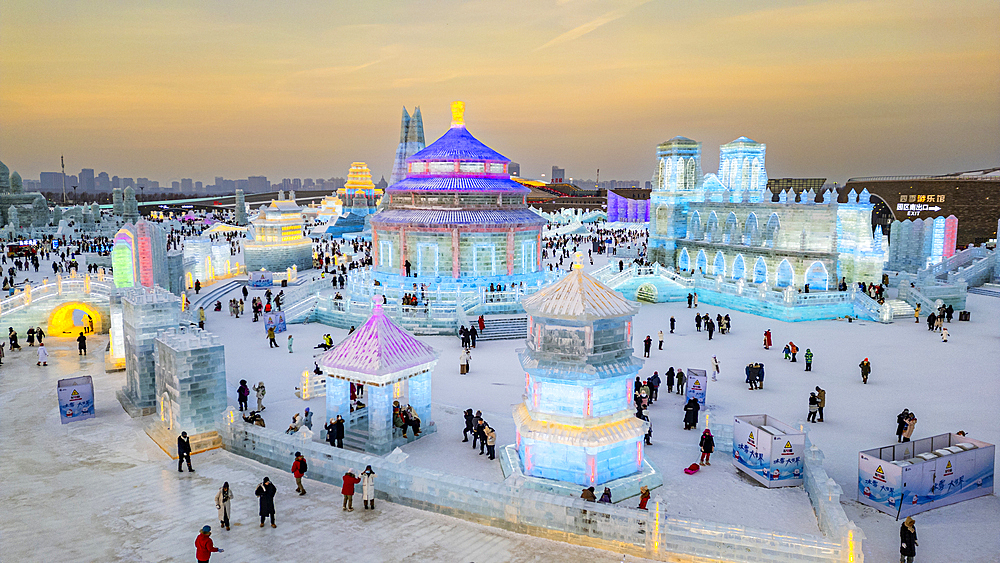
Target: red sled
{"type": "Point", "coordinates": [692, 469]}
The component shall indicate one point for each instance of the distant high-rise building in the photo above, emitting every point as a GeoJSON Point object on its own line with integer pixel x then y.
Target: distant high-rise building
{"type": "Point", "coordinates": [187, 185]}
{"type": "Point", "coordinates": [558, 175]}
{"type": "Point", "coordinates": [142, 182]}
{"type": "Point", "coordinates": [154, 185]}
{"type": "Point", "coordinates": [297, 183]}
{"type": "Point", "coordinates": [128, 183]}
{"type": "Point", "coordinates": [51, 181]}
{"type": "Point", "coordinates": [198, 186]}
{"type": "Point", "coordinates": [102, 183]}
{"type": "Point", "coordinates": [116, 182]}
{"type": "Point", "coordinates": [243, 185]}
{"type": "Point", "coordinates": [308, 183]}
{"type": "Point", "coordinates": [175, 185]}
{"type": "Point", "coordinates": [411, 141]}
{"type": "Point", "coordinates": [514, 169]}
{"type": "Point", "coordinates": [86, 180]}
{"type": "Point", "coordinates": [258, 184]}
{"type": "Point", "coordinates": [229, 186]}
{"type": "Point", "coordinates": [219, 182]}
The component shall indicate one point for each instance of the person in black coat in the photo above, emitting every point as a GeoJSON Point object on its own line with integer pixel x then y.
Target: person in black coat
{"type": "Point", "coordinates": [654, 385]}
{"type": "Point", "coordinates": [647, 343]}
{"type": "Point", "coordinates": [707, 445]}
{"type": "Point", "coordinates": [184, 451]}
{"type": "Point", "coordinates": [265, 492]}
{"type": "Point", "coordinates": [691, 414]}
{"type": "Point", "coordinates": [901, 424]}
{"type": "Point", "coordinates": [470, 424]}
{"type": "Point", "coordinates": [907, 541]}
{"type": "Point", "coordinates": [335, 432]}
{"type": "Point", "coordinates": [670, 380]}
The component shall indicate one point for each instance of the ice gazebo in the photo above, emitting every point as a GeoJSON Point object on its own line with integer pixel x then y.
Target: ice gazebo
{"type": "Point", "coordinates": [576, 426]}
{"type": "Point", "coordinates": [392, 365]}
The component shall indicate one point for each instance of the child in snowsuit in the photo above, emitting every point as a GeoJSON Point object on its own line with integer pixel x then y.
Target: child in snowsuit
{"type": "Point", "coordinates": [707, 447]}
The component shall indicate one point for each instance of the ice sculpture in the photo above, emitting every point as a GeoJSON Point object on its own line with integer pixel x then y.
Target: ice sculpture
{"type": "Point", "coordinates": [359, 195]}
{"type": "Point", "coordinates": [576, 424]}
{"type": "Point", "coordinates": [392, 365]}
{"type": "Point", "coordinates": [790, 238]}
{"type": "Point", "coordinates": [411, 141]}
{"type": "Point", "coordinates": [145, 311]}
{"type": "Point", "coordinates": [190, 388]}
{"type": "Point", "coordinates": [278, 242]}
{"type": "Point", "coordinates": [458, 215]}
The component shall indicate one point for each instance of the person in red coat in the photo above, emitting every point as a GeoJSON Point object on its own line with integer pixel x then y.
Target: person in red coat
{"type": "Point", "coordinates": [767, 339]}
{"type": "Point", "coordinates": [299, 468]}
{"type": "Point", "coordinates": [348, 489]}
{"type": "Point", "coordinates": [643, 497]}
{"type": "Point", "coordinates": [204, 546]}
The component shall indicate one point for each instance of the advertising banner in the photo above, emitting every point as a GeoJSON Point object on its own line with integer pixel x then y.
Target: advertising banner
{"type": "Point", "coordinates": [697, 384]}
{"type": "Point", "coordinates": [768, 450]}
{"type": "Point", "coordinates": [76, 398]}
{"type": "Point", "coordinates": [906, 479]}
{"type": "Point", "coordinates": [275, 320]}
{"type": "Point", "coordinates": [261, 279]}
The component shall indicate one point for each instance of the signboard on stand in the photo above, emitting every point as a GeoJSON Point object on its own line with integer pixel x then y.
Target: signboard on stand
{"type": "Point", "coordinates": [275, 320]}
{"type": "Point", "coordinates": [76, 398]}
{"type": "Point", "coordinates": [261, 279]}
{"type": "Point", "coordinates": [697, 384]}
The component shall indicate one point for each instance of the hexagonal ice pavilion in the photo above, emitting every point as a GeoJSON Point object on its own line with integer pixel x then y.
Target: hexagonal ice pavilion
{"type": "Point", "coordinates": [576, 426]}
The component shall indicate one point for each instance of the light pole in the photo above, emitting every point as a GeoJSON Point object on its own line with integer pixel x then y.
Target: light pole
{"type": "Point", "coordinates": [141, 197]}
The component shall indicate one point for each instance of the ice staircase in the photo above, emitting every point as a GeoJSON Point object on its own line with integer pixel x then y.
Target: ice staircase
{"type": "Point", "coordinates": [506, 327]}
{"type": "Point", "coordinates": [900, 308]}
{"type": "Point", "coordinates": [988, 289]}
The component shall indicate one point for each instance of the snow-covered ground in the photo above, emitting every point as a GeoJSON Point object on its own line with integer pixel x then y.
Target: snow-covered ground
{"type": "Point", "coordinates": [912, 369]}
{"type": "Point", "coordinates": [101, 490]}
{"type": "Point", "coordinates": [953, 386]}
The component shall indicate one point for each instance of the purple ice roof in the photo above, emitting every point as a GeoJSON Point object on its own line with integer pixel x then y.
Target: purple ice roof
{"type": "Point", "coordinates": [458, 144]}
{"type": "Point", "coordinates": [458, 184]}
{"type": "Point", "coordinates": [377, 351]}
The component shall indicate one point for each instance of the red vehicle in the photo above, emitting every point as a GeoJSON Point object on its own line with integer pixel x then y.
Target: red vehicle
{"type": "Point", "coordinates": [21, 249]}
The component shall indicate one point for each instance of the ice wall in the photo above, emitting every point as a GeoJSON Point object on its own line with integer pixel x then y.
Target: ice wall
{"type": "Point", "coordinates": [144, 312]}
{"type": "Point", "coordinates": [190, 379]}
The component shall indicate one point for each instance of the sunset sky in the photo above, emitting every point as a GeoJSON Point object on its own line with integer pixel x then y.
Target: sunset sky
{"type": "Point", "coordinates": [301, 89]}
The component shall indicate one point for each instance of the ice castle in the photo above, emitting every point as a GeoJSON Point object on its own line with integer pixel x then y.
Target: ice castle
{"type": "Point", "coordinates": [576, 426]}
{"type": "Point", "coordinates": [359, 195]}
{"type": "Point", "coordinates": [729, 226]}
{"type": "Point", "coordinates": [458, 216]}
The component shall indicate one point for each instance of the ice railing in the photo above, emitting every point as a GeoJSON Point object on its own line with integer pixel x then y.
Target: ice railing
{"type": "Point", "coordinates": [71, 284]}
{"type": "Point", "coordinates": [958, 260]}
{"type": "Point", "coordinates": [653, 534]}
{"type": "Point", "coordinates": [978, 273]}
{"type": "Point", "coordinates": [927, 294]}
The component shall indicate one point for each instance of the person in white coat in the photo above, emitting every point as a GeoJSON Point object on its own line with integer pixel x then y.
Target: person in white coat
{"type": "Point", "coordinates": [715, 368]}
{"type": "Point", "coordinates": [944, 336]}
{"type": "Point", "coordinates": [463, 361]}
{"type": "Point", "coordinates": [260, 391]}
{"type": "Point", "coordinates": [222, 502]}
{"type": "Point", "coordinates": [43, 355]}
{"type": "Point", "coordinates": [368, 488]}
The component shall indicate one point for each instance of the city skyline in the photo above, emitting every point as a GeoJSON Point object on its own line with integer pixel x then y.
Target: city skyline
{"type": "Point", "coordinates": [836, 89]}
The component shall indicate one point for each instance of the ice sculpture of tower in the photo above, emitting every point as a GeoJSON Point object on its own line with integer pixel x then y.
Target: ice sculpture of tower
{"type": "Point", "coordinates": [118, 203]}
{"type": "Point", "coordinates": [411, 141]}
{"type": "Point", "coordinates": [457, 215]}
{"type": "Point", "coordinates": [577, 424]}
{"type": "Point", "coordinates": [144, 312]}
{"type": "Point", "coordinates": [241, 208]}
{"type": "Point", "coordinates": [131, 213]}
{"type": "Point", "coordinates": [677, 180]}
{"type": "Point", "coordinates": [393, 366]}
{"type": "Point", "coordinates": [741, 167]}
{"type": "Point", "coordinates": [359, 194]}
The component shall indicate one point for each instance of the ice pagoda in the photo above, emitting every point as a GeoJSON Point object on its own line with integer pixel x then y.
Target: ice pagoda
{"type": "Point", "coordinates": [457, 217]}
{"type": "Point", "coordinates": [576, 426]}
{"type": "Point", "coordinates": [392, 365]}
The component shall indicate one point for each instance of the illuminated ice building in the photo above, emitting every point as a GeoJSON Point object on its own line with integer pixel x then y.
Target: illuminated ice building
{"type": "Point", "coordinates": [729, 226]}
{"type": "Point", "coordinates": [359, 195]}
{"type": "Point", "coordinates": [411, 141]}
{"type": "Point", "coordinates": [277, 242]}
{"type": "Point", "coordinates": [576, 426]}
{"type": "Point", "coordinates": [456, 217]}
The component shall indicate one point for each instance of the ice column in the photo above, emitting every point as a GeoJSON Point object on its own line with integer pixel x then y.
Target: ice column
{"type": "Point", "coordinates": [420, 397]}
{"type": "Point", "coordinates": [380, 418]}
{"type": "Point", "coordinates": [338, 398]}
{"type": "Point", "coordinates": [145, 311]}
